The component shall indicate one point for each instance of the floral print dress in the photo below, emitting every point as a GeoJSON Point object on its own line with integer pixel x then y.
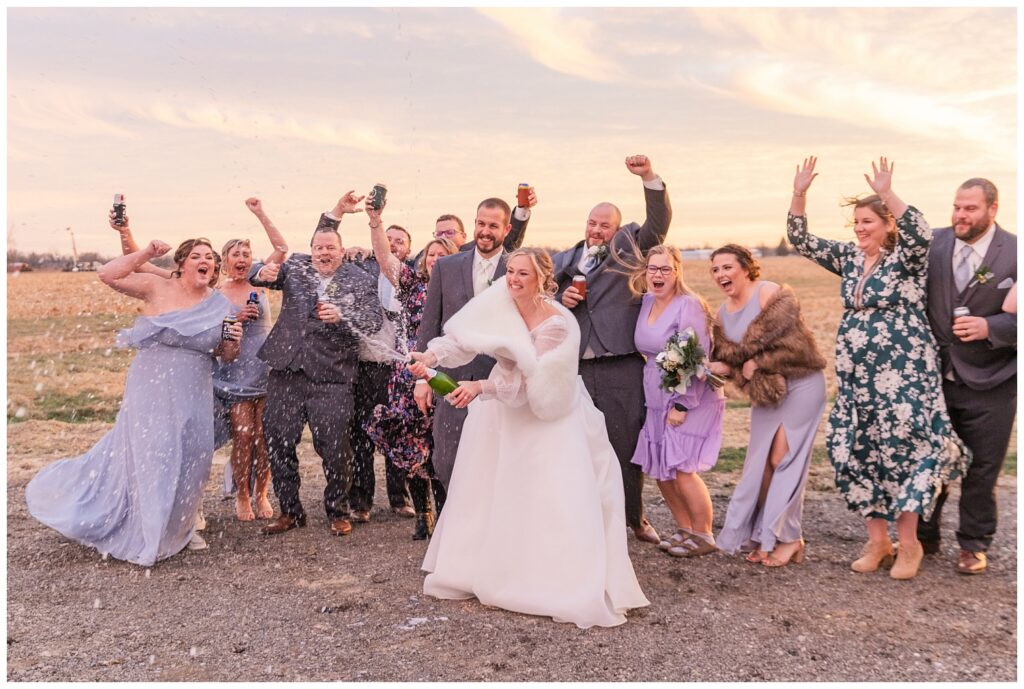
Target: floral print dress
{"type": "Point", "coordinates": [889, 435]}
{"type": "Point", "coordinates": [399, 429]}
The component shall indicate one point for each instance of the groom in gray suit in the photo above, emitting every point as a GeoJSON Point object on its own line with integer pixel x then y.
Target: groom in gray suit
{"type": "Point", "coordinates": [454, 281]}
{"type": "Point", "coordinates": [973, 264]}
{"type": "Point", "coordinates": [610, 366]}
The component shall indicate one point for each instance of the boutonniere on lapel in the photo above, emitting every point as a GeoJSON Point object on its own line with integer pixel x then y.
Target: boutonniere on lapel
{"type": "Point", "coordinates": [982, 275]}
{"type": "Point", "coordinates": [598, 251]}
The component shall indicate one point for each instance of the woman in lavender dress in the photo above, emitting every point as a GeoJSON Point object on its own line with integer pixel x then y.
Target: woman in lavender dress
{"type": "Point", "coordinates": [765, 347]}
{"type": "Point", "coordinates": [399, 429]}
{"type": "Point", "coordinates": [134, 494]}
{"type": "Point", "coordinates": [683, 431]}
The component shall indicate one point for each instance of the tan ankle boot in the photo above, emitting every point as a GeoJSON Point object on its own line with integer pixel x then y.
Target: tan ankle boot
{"type": "Point", "coordinates": [907, 561]}
{"type": "Point", "coordinates": [873, 555]}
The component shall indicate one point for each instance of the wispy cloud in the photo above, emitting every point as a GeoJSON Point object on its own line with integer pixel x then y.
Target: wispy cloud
{"type": "Point", "coordinates": [65, 109]}
{"type": "Point", "coordinates": [240, 123]}
{"type": "Point", "coordinates": [843, 66]}
{"type": "Point", "coordinates": [558, 41]}
{"type": "Point", "coordinates": [847, 98]}
{"type": "Point", "coordinates": [54, 109]}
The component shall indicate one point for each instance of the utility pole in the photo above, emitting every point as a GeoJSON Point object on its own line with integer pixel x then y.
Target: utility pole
{"type": "Point", "coordinates": [74, 251]}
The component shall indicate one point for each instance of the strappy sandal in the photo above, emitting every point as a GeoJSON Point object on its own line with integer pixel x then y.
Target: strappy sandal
{"type": "Point", "coordinates": [673, 540]}
{"type": "Point", "coordinates": [696, 546]}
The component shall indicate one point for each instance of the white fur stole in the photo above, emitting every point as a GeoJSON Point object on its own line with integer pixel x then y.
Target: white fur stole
{"type": "Point", "coordinates": [490, 324]}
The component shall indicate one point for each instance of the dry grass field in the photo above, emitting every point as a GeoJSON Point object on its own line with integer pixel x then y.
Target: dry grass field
{"type": "Point", "coordinates": [62, 365]}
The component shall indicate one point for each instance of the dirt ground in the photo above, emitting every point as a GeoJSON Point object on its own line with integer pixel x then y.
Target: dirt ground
{"type": "Point", "coordinates": [309, 606]}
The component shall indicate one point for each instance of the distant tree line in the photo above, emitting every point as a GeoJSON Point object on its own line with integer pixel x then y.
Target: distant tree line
{"type": "Point", "coordinates": [87, 260]}
{"type": "Point", "coordinates": [91, 260]}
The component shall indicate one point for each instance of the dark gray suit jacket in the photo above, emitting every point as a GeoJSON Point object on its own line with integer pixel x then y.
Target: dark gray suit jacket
{"type": "Point", "coordinates": [327, 353]}
{"type": "Point", "coordinates": [607, 317]}
{"type": "Point", "coordinates": [984, 364]}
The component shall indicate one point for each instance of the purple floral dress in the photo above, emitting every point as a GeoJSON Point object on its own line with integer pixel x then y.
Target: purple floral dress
{"type": "Point", "coordinates": [399, 429]}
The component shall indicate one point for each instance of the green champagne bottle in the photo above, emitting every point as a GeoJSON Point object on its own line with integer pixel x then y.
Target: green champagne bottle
{"type": "Point", "coordinates": [441, 383]}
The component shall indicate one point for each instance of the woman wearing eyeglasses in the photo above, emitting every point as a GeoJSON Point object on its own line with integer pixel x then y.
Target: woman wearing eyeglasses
{"type": "Point", "coordinates": [683, 431]}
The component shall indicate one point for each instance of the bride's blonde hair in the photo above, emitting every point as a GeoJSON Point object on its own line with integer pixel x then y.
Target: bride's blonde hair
{"type": "Point", "coordinates": [543, 265]}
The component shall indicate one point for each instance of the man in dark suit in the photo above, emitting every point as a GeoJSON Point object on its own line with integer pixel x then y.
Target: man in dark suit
{"type": "Point", "coordinates": [973, 264]}
{"type": "Point", "coordinates": [455, 280]}
{"type": "Point", "coordinates": [313, 356]}
{"type": "Point", "coordinates": [610, 366]}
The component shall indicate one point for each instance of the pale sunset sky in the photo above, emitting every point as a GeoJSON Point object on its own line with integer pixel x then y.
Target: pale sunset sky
{"type": "Point", "coordinates": [189, 111]}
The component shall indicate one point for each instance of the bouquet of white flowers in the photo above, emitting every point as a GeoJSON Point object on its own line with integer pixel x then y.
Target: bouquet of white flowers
{"type": "Point", "coordinates": [683, 359]}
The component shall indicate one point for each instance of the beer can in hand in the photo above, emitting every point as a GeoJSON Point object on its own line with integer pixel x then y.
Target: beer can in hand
{"type": "Point", "coordinates": [580, 283]}
{"type": "Point", "coordinates": [961, 311]}
{"type": "Point", "coordinates": [377, 196]}
{"type": "Point", "coordinates": [119, 207]}
{"type": "Point", "coordinates": [225, 328]}
{"type": "Point", "coordinates": [523, 196]}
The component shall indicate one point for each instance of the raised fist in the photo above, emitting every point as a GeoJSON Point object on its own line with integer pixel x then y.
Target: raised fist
{"type": "Point", "coordinates": [639, 165]}
{"type": "Point", "coordinates": [157, 248]}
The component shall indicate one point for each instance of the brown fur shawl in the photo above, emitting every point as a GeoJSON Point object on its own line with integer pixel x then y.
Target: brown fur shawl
{"type": "Point", "coordinates": [781, 345]}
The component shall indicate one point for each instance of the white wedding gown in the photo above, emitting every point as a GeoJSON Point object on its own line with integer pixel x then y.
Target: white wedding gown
{"type": "Point", "coordinates": [534, 520]}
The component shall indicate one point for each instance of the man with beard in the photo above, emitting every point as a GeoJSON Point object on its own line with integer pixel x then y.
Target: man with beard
{"type": "Point", "coordinates": [455, 280]}
{"type": "Point", "coordinates": [973, 264]}
{"type": "Point", "coordinates": [450, 227]}
{"type": "Point", "coordinates": [610, 366]}
{"type": "Point", "coordinates": [313, 356]}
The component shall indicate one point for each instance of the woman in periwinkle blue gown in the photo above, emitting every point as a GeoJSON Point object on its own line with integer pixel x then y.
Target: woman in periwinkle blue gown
{"type": "Point", "coordinates": [134, 495]}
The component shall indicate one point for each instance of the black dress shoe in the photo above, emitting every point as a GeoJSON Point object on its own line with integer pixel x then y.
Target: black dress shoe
{"type": "Point", "coordinates": [285, 522]}
{"type": "Point", "coordinates": [931, 547]}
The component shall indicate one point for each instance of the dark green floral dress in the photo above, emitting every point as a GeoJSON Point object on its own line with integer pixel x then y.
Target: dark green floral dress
{"type": "Point", "coordinates": [889, 435]}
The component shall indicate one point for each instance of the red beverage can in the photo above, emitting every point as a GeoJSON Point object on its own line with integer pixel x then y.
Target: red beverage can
{"type": "Point", "coordinates": [580, 283]}
{"type": "Point", "coordinates": [523, 195]}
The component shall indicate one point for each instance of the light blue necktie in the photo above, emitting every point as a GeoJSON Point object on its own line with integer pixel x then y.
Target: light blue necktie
{"type": "Point", "coordinates": [962, 273]}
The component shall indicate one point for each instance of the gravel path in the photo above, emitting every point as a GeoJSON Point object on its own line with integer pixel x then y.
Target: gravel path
{"type": "Point", "coordinates": [309, 606]}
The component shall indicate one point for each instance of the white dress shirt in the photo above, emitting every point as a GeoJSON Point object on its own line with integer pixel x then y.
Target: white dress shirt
{"type": "Point", "coordinates": [483, 270]}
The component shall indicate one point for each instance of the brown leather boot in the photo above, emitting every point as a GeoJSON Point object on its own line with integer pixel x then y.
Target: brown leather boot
{"type": "Point", "coordinates": [873, 555]}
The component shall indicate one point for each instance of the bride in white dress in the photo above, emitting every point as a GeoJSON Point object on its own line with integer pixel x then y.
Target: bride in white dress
{"type": "Point", "coordinates": [534, 520]}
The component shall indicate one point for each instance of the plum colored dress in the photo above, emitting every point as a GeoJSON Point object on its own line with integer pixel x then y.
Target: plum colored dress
{"type": "Point", "coordinates": [692, 446]}
{"type": "Point", "coordinates": [134, 494]}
